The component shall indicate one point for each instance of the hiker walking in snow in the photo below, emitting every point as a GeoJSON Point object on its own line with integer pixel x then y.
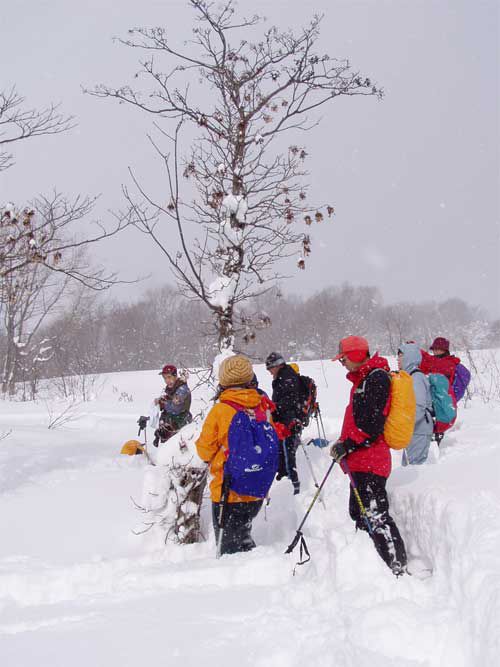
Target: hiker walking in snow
{"type": "Point", "coordinates": [287, 398]}
{"type": "Point", "coordinates": [174, 405]}
{"type": "Point", "coordinates": [409, 360]}
{"type": "Point", "coordinates": [441, 361]}
{"type": "Point", "coordinates": [362, 451]}
{"type": "Point", "coordinates": [239, 443]}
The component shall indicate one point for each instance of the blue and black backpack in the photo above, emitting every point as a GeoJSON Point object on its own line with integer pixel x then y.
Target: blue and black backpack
{"type": "Point", "coordinates": [252, 461]}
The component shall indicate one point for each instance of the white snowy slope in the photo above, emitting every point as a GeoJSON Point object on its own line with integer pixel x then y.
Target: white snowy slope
{"type": "Point", "coordinates": [78, 588]}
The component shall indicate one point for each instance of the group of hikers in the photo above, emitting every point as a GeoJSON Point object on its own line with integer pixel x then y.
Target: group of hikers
{"type": "Point", "coordinates": [249, 439]}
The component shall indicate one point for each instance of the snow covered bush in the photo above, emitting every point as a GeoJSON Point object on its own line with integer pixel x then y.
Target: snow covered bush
{"type": "Point", "coordinates": [174, 487]}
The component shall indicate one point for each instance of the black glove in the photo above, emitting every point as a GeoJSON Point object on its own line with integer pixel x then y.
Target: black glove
{"type": "Point", "coordinates": [295, 427]}
{"type": "Point", "coordinates": [143, 422]}
{"type": "Point", "coordinates": [347, 446]}
{"type": "Point", "coordinates": [338, 451]}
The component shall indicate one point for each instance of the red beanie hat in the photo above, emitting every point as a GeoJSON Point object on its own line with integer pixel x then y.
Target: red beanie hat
{"type": "Point", "coordinates": [441, 344]}
{"type": "Point", "coordinates": [169, 369]}
{"type": "Point", "coordinates": [355, 348]}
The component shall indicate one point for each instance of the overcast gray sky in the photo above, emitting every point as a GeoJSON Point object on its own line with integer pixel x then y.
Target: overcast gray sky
{"type": "Point", "coordinates": [414, 178]}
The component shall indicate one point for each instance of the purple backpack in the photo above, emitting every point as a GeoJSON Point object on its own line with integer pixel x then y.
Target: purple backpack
{"type": "Point", "coordinates": [462, 379]}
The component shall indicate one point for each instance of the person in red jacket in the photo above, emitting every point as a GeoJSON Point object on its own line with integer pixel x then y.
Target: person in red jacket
{"type": "Point", "coordinates": [440, 361]}
{"type": "Point", "coordinates": [362, 450]}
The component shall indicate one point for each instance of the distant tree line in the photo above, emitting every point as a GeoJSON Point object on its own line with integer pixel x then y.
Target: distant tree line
{"type": "Point", "coordinates": [88, 334]}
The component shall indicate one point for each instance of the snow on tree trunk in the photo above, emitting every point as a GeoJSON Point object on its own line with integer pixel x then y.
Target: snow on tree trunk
{"type": "Point", "coordinates": [173, 488]}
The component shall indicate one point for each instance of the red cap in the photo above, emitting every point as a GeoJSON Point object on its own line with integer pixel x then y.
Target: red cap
{"type": "Point", "coordinates": [441, 344]}
{"type": "Point", "coordinates": [355, 348]}
{"type": "Point", "coordinates": [168, 370]}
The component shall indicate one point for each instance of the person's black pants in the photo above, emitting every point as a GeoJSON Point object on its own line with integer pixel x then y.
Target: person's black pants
{"type": "Point", "coordinates": [237, 525]}
{"type": "Point", "coordinates": [287, 465]}
{"type": "Point", "coordinates": [386, 536]}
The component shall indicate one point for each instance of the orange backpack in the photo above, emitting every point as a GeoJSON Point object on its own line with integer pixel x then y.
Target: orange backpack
{"type": "Point", "coordinates": [400, 422]}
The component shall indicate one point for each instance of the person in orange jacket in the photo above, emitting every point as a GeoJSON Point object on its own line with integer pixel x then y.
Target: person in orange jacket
{"type": "Point", "coordinates": [235, 377]}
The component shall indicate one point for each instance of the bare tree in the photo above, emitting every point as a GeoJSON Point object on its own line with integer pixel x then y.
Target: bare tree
{"type": "Point", "coordinates": [18, 122]}
{"type": "Point", "coordinates": [46, 233]}
{"type": "Point", "coordinates": [29, 296]}
{"type": "Point", "coordinates": [238, 186]}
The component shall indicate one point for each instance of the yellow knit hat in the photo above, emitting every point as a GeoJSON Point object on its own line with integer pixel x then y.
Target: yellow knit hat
{"type": "Point", "coordinates": [235, 371]}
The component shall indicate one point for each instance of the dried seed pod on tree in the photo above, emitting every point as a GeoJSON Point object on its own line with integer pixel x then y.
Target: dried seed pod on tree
{"type": "Point", "coordinates": [256, 93]}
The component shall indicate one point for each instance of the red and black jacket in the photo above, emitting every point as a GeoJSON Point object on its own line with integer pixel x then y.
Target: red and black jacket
{"type": "Point", "coordinates": [364, 419]}
{"type": "Point", "coordinates": [446, 365]}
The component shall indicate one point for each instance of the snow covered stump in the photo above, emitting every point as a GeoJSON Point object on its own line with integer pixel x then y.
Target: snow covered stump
{"type": "Point", "coordinates": [173, 489]}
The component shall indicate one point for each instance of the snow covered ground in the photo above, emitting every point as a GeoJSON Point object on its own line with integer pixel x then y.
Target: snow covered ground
{"type": "Point", "coordinates": [78, 588]}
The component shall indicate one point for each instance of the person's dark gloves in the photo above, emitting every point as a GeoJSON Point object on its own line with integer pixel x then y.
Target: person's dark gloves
{"type": "Point", "coordinates": [341, 448]}
{"type": "Point", "coordinates": [338, 451]}
{"type": "Point", "coordinates": [143, 422]}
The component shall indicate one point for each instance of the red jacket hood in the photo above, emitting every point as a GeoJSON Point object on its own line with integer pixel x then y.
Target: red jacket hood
{"type": "Point", "coordinates": [373, 362]}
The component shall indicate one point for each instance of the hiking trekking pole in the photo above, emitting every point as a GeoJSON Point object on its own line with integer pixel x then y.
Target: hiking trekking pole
{"type": "Point", "coordinates": [145, 450]}
{"type": "Point", "coordinates": [321, 440]}
{"type": "Point", "coordinates": [362, 508]}
{"type": "Point", "coordinates": [312, 470]}
{"type": "Point", "coordinates": [299, 535]}
{"type": "Point", "coordinates": [320, 418]}
{"type": "Point", "coordinates": [143, 421]}
{"type": "Point", "coordinates": [221, 518]}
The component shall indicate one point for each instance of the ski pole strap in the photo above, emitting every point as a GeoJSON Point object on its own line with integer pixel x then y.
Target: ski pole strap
{"type": "Point", "coordinates": [303, 550]}
{"type": "Point", "coordinates": [299, 536]}
{"type": "Point", "coordinates": [294, 542]}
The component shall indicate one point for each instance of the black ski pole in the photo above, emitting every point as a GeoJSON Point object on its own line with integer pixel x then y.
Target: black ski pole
{"type": "Point", "coordinates": [298, 534]}
{"type": "Point", "coordinates": [221, 517]}
{"type": "Point", "coordinates": [321, 421]}
{"type": "Point", "coordinates": [311, 469]}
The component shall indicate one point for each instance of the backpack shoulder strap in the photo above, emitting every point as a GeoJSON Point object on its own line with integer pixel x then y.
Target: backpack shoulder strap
{"type": "Point", "coordinates": [235, 406]}
{"type": "Point", "coordinates": [249, 412]}
{"type": "Point", "coordinates": [361, 388]}
{"type": "Point", "coordinates": [375, 370]}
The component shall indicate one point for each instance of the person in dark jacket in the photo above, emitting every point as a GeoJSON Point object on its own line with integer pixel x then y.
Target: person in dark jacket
{"type": "Point", "coordinates": [362, 451]}
{"type": "Point", "coordinates": [174, 404]}
{"type": "Point", "coordinates": [287, 399]}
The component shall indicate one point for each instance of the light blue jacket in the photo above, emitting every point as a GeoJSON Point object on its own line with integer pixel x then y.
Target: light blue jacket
{"type": "Point", "coordinates": [411, 361]}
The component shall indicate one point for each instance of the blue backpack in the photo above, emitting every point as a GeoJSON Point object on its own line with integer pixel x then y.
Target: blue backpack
{"type": "Point", "coordinates": [252, 462]}
{"type": "Point", "coordinates": [461, 381]}
{"type": "Point", "coordinates": [442, 402]}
